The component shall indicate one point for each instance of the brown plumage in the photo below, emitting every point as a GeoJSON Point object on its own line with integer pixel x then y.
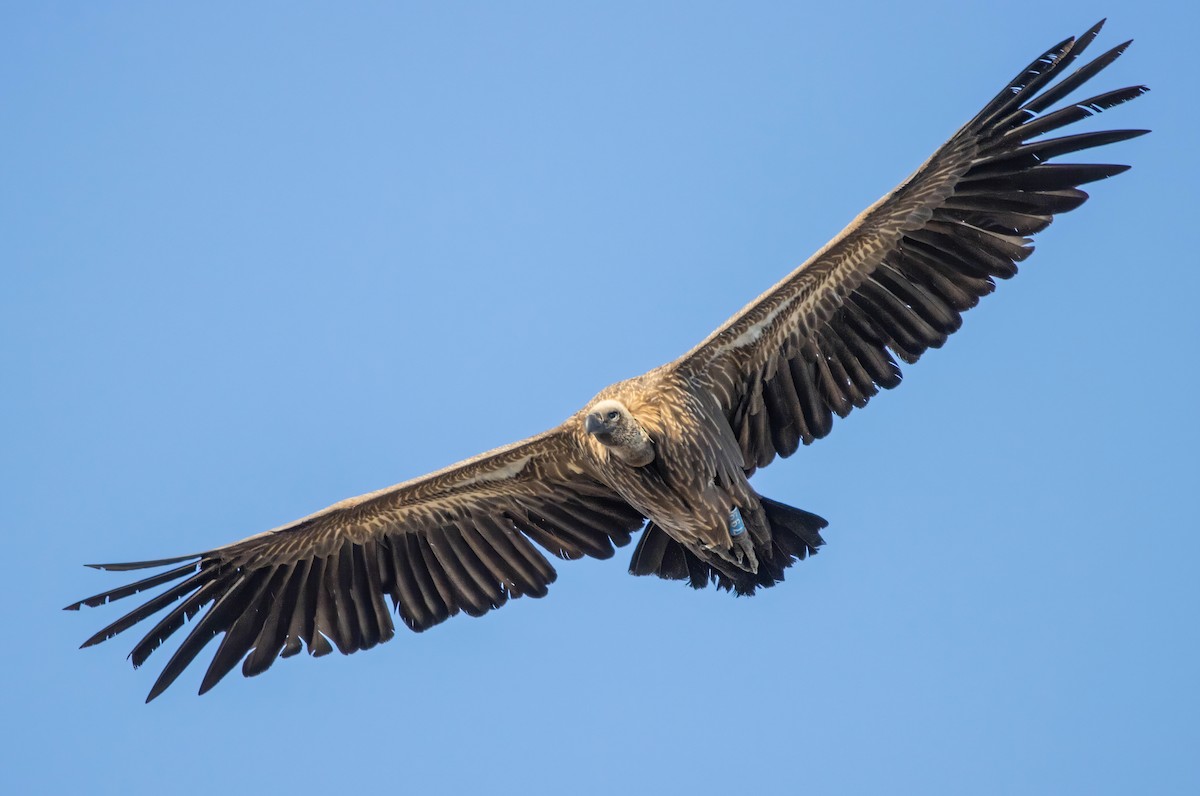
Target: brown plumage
{"type": "Point", "coordinates": [672, 449]}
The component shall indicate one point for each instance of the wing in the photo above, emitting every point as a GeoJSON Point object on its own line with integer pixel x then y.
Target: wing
{"type": "Point", "coordinates": [456, 540]}
{"type": "Point", "coordinates": [897, 280]}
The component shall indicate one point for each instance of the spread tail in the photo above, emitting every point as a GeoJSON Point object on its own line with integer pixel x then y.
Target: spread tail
{"type": "Point", "coordinates": [795, 535]}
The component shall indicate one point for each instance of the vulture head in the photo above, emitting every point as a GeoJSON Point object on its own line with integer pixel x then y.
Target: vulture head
{"type": "Point", "coordinates": [614, 427]}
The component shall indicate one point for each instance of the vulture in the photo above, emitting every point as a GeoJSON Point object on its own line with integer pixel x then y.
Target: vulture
{"type": "Point", "coordinates": [671, 450]}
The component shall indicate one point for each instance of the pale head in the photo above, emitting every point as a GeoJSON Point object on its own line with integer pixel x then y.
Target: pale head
{"type": "Point", "coordinates": [612, 425]}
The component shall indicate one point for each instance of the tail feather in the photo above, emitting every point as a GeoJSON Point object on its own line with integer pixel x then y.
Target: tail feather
{"type": "Point", "coordinates": [795, 535]}
{"type": "Point", "coordinates": [795, 531]}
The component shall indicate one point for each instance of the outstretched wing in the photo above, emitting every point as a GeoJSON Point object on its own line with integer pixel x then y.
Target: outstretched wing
{"type": "Point", "coordinates": [455, 540]}
{"type": "Point", "coordinates": [897, 279]}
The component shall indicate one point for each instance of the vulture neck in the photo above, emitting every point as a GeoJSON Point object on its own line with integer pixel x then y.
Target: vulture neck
{"type": "Point", "coordinates": [631, 446]}
{"type": "Point", "coordinates": [637, 452]}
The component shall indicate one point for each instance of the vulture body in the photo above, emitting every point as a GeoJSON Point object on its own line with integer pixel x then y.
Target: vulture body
{"type": "Point", "coordinates": [672, 449]}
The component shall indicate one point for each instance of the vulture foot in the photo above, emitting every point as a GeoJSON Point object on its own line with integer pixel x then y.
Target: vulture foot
{"type": "Point", "coordinates": [743, 551]}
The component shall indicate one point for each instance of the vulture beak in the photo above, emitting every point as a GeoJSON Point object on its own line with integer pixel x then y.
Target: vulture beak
{"type": "Point", "coordinates": [593, 424]}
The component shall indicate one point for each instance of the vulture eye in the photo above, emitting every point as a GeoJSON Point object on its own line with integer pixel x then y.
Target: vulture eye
{"type": "Point", "coordinates": [613, 415]}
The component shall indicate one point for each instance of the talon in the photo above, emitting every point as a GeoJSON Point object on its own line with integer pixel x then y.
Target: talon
{"type": "Point", "coordinates": [743, 548]}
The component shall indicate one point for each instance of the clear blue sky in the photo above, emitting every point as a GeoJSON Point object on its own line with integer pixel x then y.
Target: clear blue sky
{"type": "Point", "coordinates": [256, 261]}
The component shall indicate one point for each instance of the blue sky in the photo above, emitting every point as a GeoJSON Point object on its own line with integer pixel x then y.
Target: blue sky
{"type": "Point", "coordinates": [258, 260]}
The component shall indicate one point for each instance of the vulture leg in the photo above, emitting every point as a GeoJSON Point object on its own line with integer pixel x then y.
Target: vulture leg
{"type": "Point", "coordinates": [743, 544]}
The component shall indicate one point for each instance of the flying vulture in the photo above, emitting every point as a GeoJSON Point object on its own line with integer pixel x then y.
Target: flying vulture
{"type": "Point", "coordinates": [672, 449]}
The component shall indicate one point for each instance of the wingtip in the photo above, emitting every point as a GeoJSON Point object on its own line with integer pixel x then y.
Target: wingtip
{"type": "Point", "coordinates": [127, 566]}
{"type": "Point", "coordinates": [1089, 36]}
{"type": "Point", "coordinates": [99, 637]}
{"type": "Point", "coordinates": [156, 690]}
